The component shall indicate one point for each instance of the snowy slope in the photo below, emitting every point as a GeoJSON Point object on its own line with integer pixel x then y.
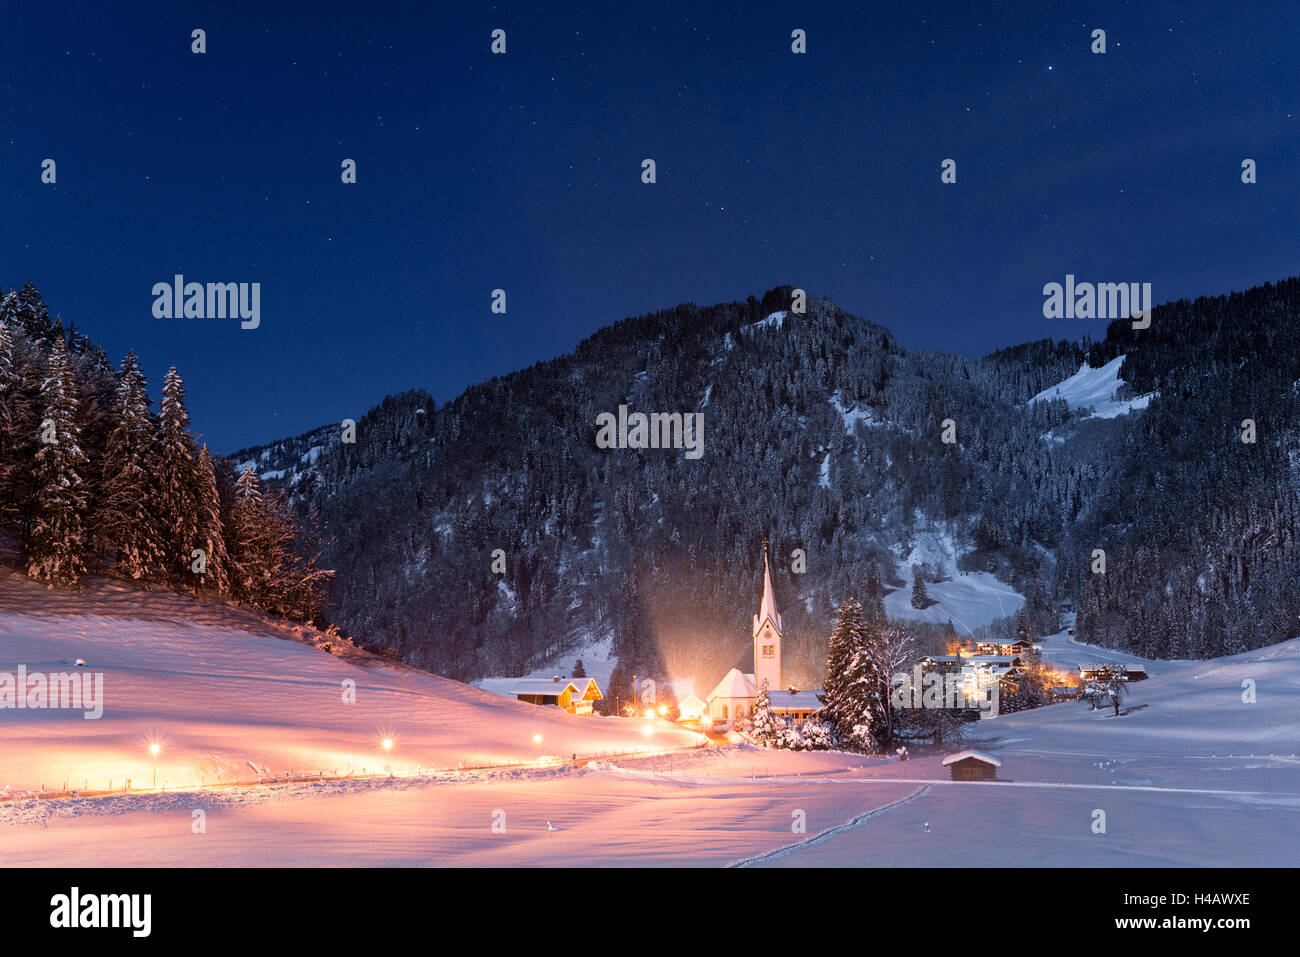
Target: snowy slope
{"type": "Point", "coordinates": [1095, 389]}
{"type": "Point", "coordinates": [1189, 775]}
{"type": "Point", "coordinates": [971, 600]}
{"type": "Point", "coordinates": [226, 692]}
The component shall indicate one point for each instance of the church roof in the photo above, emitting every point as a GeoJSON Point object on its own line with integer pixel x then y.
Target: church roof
{"type": "Point", "coordinates": [794, 700]}
{"type": "Point", "coordinates": [734, 685]}
{"type": "Point", "coordinates": [767, 605]}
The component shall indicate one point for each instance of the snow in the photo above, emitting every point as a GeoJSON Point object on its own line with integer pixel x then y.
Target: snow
{"type": "Point", "coordinates": [852, 417]}
{"type": "Point", "coordinates": [774, 321]}
{"type": "Point", "coordinates": [1063, 653]}
{"type": "Point", "coordinates": [824, 480]}
{"type": "Point", "coordinates": [971, 600]}
{"type": "Point", "coordinates": [1095, 389]}
{"type": "Point", "coordinates": [969, 753]}
{"type": "Point", "coordinates": [1188, 775]}
{"type": "Point", "coordinates": [222, 689]}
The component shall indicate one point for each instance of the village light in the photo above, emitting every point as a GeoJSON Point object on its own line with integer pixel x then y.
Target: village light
{"type": "Point", "coordinates": [537, 739]}
{"type": "Point", "coordinates": [154, 749]}
{"type": "Point", "coordinates": [663, 710]}
{"type": "Point", "coordinates": [388, 748]}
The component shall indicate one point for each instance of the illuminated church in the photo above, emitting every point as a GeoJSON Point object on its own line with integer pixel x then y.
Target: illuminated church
{"type": "Point", "coordinates": [732, 702]}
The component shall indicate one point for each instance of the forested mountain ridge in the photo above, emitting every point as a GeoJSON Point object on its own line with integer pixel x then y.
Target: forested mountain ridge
{"type": "Point", "coordinates": [821, 434]}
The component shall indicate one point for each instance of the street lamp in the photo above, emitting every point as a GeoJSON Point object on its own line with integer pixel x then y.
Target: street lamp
{"type": "Point", "coordinates": [388, 748]}
{"type": "Point", "coordinates": [154, 749]}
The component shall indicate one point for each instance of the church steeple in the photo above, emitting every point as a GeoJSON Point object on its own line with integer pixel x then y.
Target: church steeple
{"type": "Point", "coordinates": [767, 635]}
{"type": "Point", "coordinates": [767, 604]}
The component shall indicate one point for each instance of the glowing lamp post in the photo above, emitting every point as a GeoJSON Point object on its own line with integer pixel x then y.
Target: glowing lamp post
{"type": "Point", "coordinates": [388, 749]}
{"type": "Point", "coordinates": [154, 749]}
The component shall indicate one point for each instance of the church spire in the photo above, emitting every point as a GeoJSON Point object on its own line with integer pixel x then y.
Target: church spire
{"type": "Point", "coordinates": [767, 605]}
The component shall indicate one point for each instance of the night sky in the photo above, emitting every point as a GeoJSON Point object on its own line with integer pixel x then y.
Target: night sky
{"type": "Point", "coordinates": [523, 172]}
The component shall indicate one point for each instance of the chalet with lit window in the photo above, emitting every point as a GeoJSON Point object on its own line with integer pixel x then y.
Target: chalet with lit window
{"type": "Point", "coordinates": [1092, 673]}
{"type": "Point", "coordinates": [574, 695]}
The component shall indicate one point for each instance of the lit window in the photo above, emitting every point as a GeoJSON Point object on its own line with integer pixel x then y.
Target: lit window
{"type": "Point", "coordinates": [769, 651]}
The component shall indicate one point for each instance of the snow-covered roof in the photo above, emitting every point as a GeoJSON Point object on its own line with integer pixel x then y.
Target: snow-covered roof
{"type": "Point", "coordinates": [544, 685]}
{"type": "Point", "coordinates": [977, 755]}
{"type": "Point", "coordinates": [734, 685]}
{"type": "Point", "coordinates": [991, 659]}
{"type": "Point", "coordinates": [794, 700]}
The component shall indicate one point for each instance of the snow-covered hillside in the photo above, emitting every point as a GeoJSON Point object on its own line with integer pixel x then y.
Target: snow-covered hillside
{"type": "Point", "coordinates": [1095, 389]}
{"type": "Point", "coordinates": [226, 693]}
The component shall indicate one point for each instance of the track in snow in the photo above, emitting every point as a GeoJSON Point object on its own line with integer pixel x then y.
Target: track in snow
{"type": "Point", "coordinates": [830, 832]}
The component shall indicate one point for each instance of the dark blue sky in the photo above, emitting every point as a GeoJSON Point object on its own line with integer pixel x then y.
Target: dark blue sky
{"type": "Point", "coordinates": [523, 172]}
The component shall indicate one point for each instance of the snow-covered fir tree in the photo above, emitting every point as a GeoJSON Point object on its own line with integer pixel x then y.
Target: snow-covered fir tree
{"type": "Point", "coordinates": [251, 542]}
{"type": "Point", "coordinates": [920, 598]}
{"type": "Point", "coordinates": [177, 479]}
{"type": "Point", "coordinates": [125, 526]}
{"type": "Point", "coordinates": [57, 550]}
{"type": "Point", "coordinates": [766, 727]}
{"type": "Point", "coordinates": [853, 694]}
{"type": "Point", "coordinates": [10, 391]}
{"type": "Point", "coordinates": [211, 538]}
{"type": "Point", "coordinates": [21, 375]}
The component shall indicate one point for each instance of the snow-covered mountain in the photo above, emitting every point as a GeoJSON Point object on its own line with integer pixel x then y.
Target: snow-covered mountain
{"type": "Point", "coordinates": [827, 438]}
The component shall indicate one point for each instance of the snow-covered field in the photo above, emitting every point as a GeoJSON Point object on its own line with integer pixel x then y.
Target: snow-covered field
{"type": "Point", "coordinates": [1190, 774]}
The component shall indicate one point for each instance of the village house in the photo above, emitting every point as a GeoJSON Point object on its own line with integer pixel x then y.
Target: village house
{"type": "Point", "coordinates": [691, 708]}
{"type": "Point", "coordinates": [1092, 673]}
{"type": "Point", "coordinates": [574, 695]}
{"type": "Point", "coordinates": [1006, 647]}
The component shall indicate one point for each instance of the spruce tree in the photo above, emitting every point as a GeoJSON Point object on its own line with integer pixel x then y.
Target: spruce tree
{"type": "Point", "coordinates": [211, 539]}
{"type": "Point", "coordinates": [249, 546]}
{"type": "Point", "coordinates": [125, 526]}
{"type": "Point", "coordinates": [766, 728]}
{"type": "Point", "coordinates": [56, 554]}
{"type": "Point", "coordinates": [177, 477]}
{"type": "Point", "coordinates": [26, 309]}
{"type": "Point", "coordinates": [21, 368]}
{"type": "Point", "coordinates": [873, 604]}
{"type": "Point", "coordinates": [843, 661]}
{"type": "Point", "coordinates": [10, 396]}
{"type": "Point", "coordinates": [920, 599]}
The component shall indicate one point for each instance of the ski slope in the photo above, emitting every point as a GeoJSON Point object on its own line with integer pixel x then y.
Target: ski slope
{"type": "Point", "coordinates": [1095, 389]}
{"type": "Point", "coordinates": [969, 599]}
